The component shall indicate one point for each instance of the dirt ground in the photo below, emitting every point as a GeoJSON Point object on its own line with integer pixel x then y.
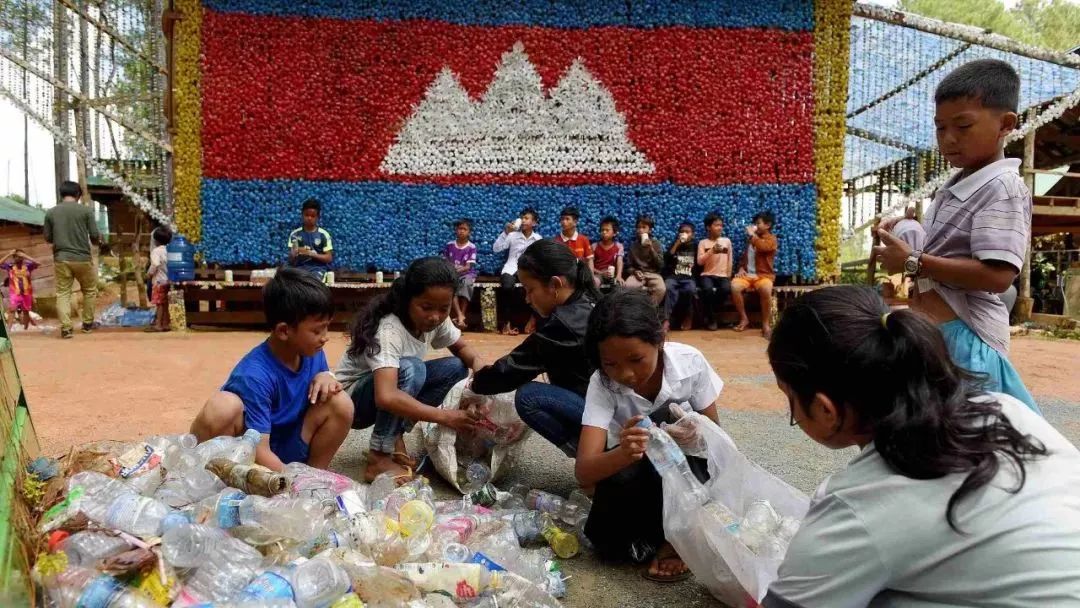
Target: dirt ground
{"type": "Point", "coordinates": [124, 384]}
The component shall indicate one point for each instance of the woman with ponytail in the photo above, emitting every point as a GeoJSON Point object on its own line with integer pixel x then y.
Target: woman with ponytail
{"type": "Point", "coordinates": [958, 497]}
{"type": "Point", "coordinates": [384, 370]}
{"type": "Point", "coordinates": [560, 288]}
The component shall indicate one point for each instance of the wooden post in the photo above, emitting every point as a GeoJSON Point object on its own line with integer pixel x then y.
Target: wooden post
{"type": "Point", "coordinates": [1024, 302]}
{"type": "Point", "coordinates": [61, 163]}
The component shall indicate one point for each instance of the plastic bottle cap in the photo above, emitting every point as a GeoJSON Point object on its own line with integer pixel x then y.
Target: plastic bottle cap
{"type": "Point", "coordinates": [645, 422]}
{"type": "Point", "coordinates": [57, 537]}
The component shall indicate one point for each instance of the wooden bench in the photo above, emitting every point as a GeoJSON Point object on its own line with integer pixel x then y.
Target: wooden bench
{"type": "Point", "coordinates": [211, 301]}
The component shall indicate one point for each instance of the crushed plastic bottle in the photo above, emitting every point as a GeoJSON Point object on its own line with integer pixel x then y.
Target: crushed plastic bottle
{"type": "Point", "coordinates": [284, 516]}
{"type": "Point", "coordinates": [86, 588]}
{"type": "Point", "coordinates": [670, 462]}
{"type": "Point", "coordinates": [86, 548]}
{"type": "Point", "coordinates": [218, 565]}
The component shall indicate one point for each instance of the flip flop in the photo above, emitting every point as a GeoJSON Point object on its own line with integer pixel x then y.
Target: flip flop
{"type": "Point", "coordinates": [669, 578]}
{"type": "Point", "coordinates": [404, 460]}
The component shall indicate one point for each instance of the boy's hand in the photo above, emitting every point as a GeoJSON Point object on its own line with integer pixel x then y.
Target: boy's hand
{"type": "Point", "coordinates": [323, 386]}
{"type": "Point", "coordinates": [892, 252]}
{"type": "Point", "coordinates": [751, 230]}
{"type": "Point", "coordinates": [741, 273]}
{"type": "Point", "coordinates": [632, 439]}
{"type": "Point", "coordinates": [509, 227]}
{"type": "Point", "coordinates": [639, 275]}
{"type": "Point", "coordinates": [460, 421]}
{"type": "Point", "coordinates": [620, 281]}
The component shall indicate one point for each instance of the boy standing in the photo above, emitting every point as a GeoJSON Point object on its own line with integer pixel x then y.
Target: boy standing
{"type": "Point", "coordinates": [578, 243]}
{"type": "Point", "coordinates": [70, 228]}
{"type": "Point", "coordinates": [283, 388]}
{"type": "Point", "coordinates": [515, 238]}
{"type": "Point", "coordinates": [20, 286]}
{"type": "Point", "coordinates": [159, 278]}
{"type": "Point", "coordinates": [756, 271]}
{"type": "Point", "coordinates": [979, 228]}
{"type": "Point", "coordinates": [462, 254]}
{"type": "Point", "coordinates": [714, 257]}
{"type": "Point", "coordinates": [310, 247]}
{"type": "Point", "coordinates": [608, 255]}
{"type": "Point", "coordinates": [680, 262]}
{"type": "Point", "coordinates": [646, 261]}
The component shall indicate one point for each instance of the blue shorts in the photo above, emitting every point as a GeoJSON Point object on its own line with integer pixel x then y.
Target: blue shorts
{"type": "Point", "coordinates": [970, 352]}
{"type": "Point", "coordinates": [287, 443]}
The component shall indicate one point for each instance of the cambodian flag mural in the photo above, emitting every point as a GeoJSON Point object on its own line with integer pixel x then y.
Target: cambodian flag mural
{"type": "Point", "coordinates": [400, 116]}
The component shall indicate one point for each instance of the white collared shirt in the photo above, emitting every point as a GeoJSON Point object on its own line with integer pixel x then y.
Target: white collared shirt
{"type": "Point", "coordinates": [688, 379]}
{"type": "Point", "coordinates": [517, 243]}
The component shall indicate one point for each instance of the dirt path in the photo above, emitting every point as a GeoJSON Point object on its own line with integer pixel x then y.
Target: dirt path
{"type": "Point", "coordinates": [123, 384]}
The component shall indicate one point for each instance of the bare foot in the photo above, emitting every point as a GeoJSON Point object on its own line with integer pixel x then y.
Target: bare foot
{"type": "Point", "coordinates": [401, 454]}
{"type": "Point", "coordinates": [667, 566]}
{"type": "Point", "coordinates": [381, 462]}
{"type": "Point", "coordinates": [766, 331]}
{"type": "Point", "coordinates": [743, 324]}
{"type": "Point", "coordinates": [687, 323]}
{"type": "Point", "coordinates": [530, 327]}
{"type": "Point", "coordinates": [509, 330]}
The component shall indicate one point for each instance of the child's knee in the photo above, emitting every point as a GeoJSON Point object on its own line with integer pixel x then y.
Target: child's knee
{"type": "Point", "coordinates": [222, 414]}
{"type": "Point", "coordinates": [412, 374]}
{"type": "Point", "coordinates": [341, 408]}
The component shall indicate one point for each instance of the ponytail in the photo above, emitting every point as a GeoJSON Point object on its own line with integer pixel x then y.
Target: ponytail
{"type": "Point", "coordinates": [422, 273]}
{"type": "Point", "coordinates": [546, 260]}
{"type": "Point", "coordinates": [893, 372]}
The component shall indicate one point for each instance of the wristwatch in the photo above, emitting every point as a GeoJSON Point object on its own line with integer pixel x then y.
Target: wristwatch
{"type": "Point", "coordinates": [913, 263]}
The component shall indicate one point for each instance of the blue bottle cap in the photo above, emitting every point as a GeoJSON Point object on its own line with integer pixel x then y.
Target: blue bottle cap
{"type": "Point", "coordinates": [645, 422]}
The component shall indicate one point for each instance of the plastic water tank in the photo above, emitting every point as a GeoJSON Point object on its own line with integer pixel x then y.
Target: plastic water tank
{"type": "Point", "coordinates": [181, 256]}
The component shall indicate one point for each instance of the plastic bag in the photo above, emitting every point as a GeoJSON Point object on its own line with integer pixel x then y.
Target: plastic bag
{"type": "Point", "coordinates": [496, 442]}
{"type": "Point", "coordinates": [719, 560]}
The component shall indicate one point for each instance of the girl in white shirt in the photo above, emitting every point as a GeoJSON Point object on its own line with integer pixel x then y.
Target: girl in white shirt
{"type": "Point", "coordinates": [957, 497]}
{"type": "Point", "coordinates": [638, 375]}
{"type": "Point", "coordinates": [384, 368]}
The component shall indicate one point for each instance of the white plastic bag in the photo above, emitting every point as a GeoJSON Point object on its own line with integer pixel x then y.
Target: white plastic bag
{"type": "Point", "coordinates": [731, 572]}
{"type": "Point", "coordinates": [499, 440]}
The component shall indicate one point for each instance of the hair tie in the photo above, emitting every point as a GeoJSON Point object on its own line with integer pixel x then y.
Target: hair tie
{"type": "Point", "coordinates": [885, 320]}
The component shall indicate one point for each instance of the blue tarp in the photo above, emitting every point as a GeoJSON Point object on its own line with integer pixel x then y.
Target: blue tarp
{"type": "Point", "coordinates": [885, 56]}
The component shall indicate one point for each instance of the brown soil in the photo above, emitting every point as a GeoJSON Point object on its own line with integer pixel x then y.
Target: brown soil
{"type": "Point", "coordinates": [124, 384]}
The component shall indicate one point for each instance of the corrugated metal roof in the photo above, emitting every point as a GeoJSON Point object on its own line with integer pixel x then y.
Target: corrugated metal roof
{"type": "Point", "coordinates": [14, 211]}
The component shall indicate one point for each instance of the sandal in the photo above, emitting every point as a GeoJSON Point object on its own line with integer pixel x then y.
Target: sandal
{"type": "Point", "coordinates": [666, 554]}
{"type": "Point", "coordinates": [404, 460]}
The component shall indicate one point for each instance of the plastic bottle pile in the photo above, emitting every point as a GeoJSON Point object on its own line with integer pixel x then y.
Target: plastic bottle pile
{"type": "Point", "coordinates": [166, 530]}
{"type": "Point", "coordinates": [760, 528]}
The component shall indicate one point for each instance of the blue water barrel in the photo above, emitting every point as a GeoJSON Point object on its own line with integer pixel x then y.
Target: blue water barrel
{"type": "Point", "coordinates": [181, 256]}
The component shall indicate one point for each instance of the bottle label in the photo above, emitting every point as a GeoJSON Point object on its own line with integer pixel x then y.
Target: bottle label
{"type": "Point", "coordinates": [173, 256]}
{"type": "Point", "coordinates": [228, 510]}
{"type": "Point", "coordinates": [487, 562]}
{"type": "Point", "coordinates": [268, 586]}
{"type": "Point", "coordinates": [124, 510]}
{"type": "Point", "coordinates": [542, 501]}
{"type": "Point", "coordinates": [100, 593]}
{"type": "Point", "coordinates": [136, 461]}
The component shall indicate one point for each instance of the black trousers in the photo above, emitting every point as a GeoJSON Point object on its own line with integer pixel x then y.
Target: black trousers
{"type": "Point", "coordinates": [627, 516]}
{"type": "Point", "coordinates": [504, 297]}
{"type": "Point", "coordinates": [715, 291]}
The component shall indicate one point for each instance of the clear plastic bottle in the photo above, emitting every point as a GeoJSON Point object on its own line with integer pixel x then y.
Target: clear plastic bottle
{"type": "Point", "coordinates": [222, 565]}
{"type": "Point", "coordinates": [128, 512]}
{"type": "Point", "coordinates": [309, 482]}
{"type": "Point", "coordinates": [670, 462]}
{"type": "Point", "coordinates": [474, 476]}
{"type": "Point", "coordinates": [242, 451]}
{"type": "Point", "coordinates": [85, 588]}
{"type": "Point", "coordinates": [295, 518]}
{"type": "Point", "coordinates": [545, 502]}
{"type": "Point", "coordinates": [576, 508]}
{"type": "Point", "coordinates": [319, 582]}
{"type": "Point", "coordinates": [455, 553]}
{"type": "Point", "coordinates": [529, 527]}
{"type": "Point", "coordinates": [86, 548]}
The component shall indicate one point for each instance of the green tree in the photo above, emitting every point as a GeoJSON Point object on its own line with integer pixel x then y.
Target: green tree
{"type": "Point", "coordinates": [18, 198]}
{"type": "Point", "coordinates": [1052, 24]}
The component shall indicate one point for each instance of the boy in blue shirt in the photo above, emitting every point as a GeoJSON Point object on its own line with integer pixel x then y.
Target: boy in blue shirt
{"type": "Point", "coordinates": [310, 247]}
{"type": "Point", "coordinates": [283, 388]}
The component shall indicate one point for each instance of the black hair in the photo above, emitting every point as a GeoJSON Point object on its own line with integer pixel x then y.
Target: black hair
{"type": "Point", "coordinates": [532, 212]}
{"type": "Point", "coordinates": [311, 203]}
{"type": "Point", "coordinates": [647, 220]}
{"type": "Point", "coordinates": [571, 211]}
{"type": "Point", "coordinates": [547, 259]}
{"type": "Point", "coordinates": [625, 313]}
{"type": "Point", "coordinates": [294, 295]}
{"type": "Point", "coordinates": [686, 224]}
{"type": "Point", "coordinates": [712, 217]}
{"type": "Point", "coordinates": [765, 216]}
{"type": "Point", "coordinates": [463, 222]}
{"type": "Point", "coordinates": [422, 274]}
{"type": "Point", "coordinates": [72, 189]}
{"type": "Point", "coordinates": [163, 235]}
{"type": "Point", "coordinates": [894, 372]}
{"type": "Point", "coordinates": [994, 83]}
{"type": "Point", "coordinates": [610, 219]}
